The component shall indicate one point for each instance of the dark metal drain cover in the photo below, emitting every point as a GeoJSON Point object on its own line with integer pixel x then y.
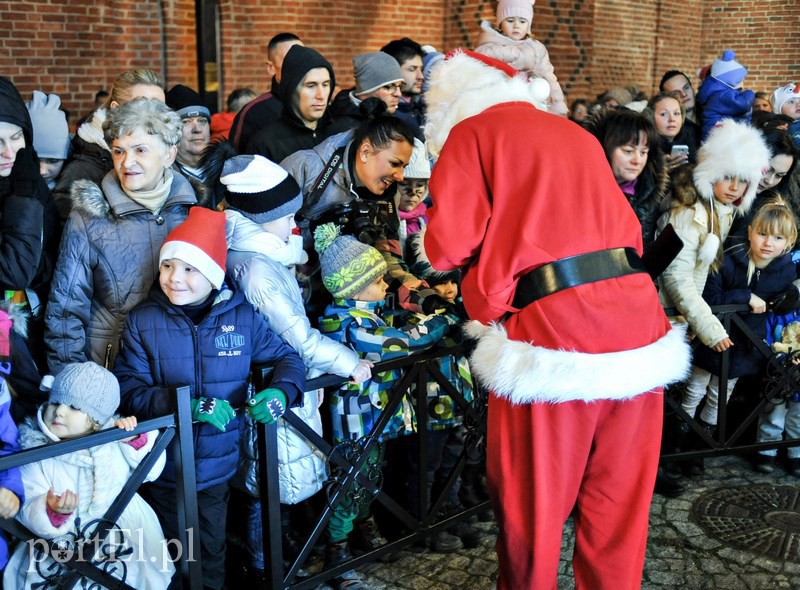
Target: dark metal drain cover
{"type": "Point", "coordinates": [761, 518]}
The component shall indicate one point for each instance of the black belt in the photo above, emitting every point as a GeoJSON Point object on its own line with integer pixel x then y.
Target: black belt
{"type": "Point", "coordinates": [576, 270]}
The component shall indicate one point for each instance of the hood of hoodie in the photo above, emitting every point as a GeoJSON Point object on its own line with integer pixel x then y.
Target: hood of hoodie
{"type": "Point", "coordinates": [298, 62]}
{"type": "Point", "coordinates": [13, 109]}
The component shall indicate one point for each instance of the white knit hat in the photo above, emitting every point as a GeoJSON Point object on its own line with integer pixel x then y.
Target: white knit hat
{"type": "Point", "coordinates": [518, 8]}
{"type": "Point", "coordinates": [419, 167]}
{"type": "Point", "coordinates": [782, 94]}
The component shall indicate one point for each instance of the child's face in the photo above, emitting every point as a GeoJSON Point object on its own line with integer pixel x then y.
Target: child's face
{"type": "Point", "coordinates": [66, 422]}
{"type": "Point", "coordinates": [765, 246]}
{"type": "Point", "coordinates": [729, 190]}
{"type": "Point", "coordinates": [448, 290]}
{"type": "Point", "coordinates": [515, 27]}
{"type": "Point", "coordinates": [791, 108]}
{"type": "Point", "coordinates": [182, 283]}
{"type": "Point", "coordinates": [49, 168]}
{"type": "Point", "coordinates": [281, 227]}
{"type": "Point", "coordinates": [411, 193]}
{"type": "Point", "coordinates": [375, 291]}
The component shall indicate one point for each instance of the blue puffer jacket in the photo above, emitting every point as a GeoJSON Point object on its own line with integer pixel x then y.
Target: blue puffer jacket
{"type": "Point", "coordinates": [162, 349]}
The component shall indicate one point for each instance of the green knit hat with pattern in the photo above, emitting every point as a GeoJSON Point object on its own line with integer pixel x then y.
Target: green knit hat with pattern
{"type": "Point", "coordinates": [348, 266]}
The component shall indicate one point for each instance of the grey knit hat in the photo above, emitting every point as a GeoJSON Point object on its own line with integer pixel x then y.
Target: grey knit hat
{"type": "Point", "coordinates": [373, 70]}
{"type": "Point", "coordinates": [259, 189]}
{"type": "Point", "coordinates": [87, 387]}
{"type": "Point", "coordinates": [348, 266]}
{"type": "Point", "coordinates": [50, 129]}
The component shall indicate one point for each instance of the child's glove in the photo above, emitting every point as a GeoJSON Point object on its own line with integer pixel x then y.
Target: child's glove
{"type": "Point", "coordinates": [217, 412]}
{"type": "Point", "coordinates": [267, 406]}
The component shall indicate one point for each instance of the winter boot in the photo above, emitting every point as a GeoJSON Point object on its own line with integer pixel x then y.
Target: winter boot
{"type": "Point", "coordinates": [337, 554]}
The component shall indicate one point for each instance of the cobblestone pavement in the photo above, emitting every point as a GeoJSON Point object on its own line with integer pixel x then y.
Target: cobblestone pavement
{"type": "Point", "coordinates": [680, 552]}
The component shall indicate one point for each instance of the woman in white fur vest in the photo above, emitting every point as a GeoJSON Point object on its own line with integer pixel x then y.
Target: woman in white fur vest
{"type": "Point", "coordinates": [575, 367]}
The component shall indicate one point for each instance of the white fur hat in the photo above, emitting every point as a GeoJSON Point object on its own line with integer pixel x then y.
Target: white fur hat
{"type": "Point", "coordinates": [466, 83]}
{"type": "Point", "coordinates": [736, 150]}
{"type": "Point", "coordinates": [418, 166]}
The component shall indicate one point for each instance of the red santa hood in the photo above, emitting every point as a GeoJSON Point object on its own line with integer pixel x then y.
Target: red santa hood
{"type": "Point", "coordinates": [467, 83]}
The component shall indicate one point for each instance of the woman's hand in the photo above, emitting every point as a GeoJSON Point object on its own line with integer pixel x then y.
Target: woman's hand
{"type": "Point", "coordinates": [723, 344]}
{"type": "Point", "coordinates": [66, 503]}
{"type": "Point", "coordinates": [673, 161]}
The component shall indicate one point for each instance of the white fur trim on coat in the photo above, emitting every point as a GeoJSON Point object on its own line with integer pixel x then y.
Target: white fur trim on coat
{"type": "Point", "coordinates": [732, 149]}
{"type": "Point", "coordinates": [462, 86]}
{"type": "Point", "coordinates": [524, 373]}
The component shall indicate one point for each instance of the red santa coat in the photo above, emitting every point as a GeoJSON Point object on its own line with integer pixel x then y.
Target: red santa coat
{"type": "Point", "coordinates": [506, 203]}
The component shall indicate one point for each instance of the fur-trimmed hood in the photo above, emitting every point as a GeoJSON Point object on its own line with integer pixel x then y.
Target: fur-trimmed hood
{"type": "Point", "coordinates": [462, 86]}
{"type": "Point", "coordinates": [732, 149]}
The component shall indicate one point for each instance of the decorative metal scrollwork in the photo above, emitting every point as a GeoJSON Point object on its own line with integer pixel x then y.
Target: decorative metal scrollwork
{"type": "Point", "coordinates": [352, 452]}
{"type": "Point", "coordinates": [783, 378]}
{"type": "Point", "coordinates": [109, 555]}
{"type": "Point", "coordinates": [475, 422]}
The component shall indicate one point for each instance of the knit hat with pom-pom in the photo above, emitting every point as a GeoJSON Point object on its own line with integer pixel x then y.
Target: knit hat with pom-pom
{"type": "Point", "coordinates": [348, 266]}
{"type": "Point", "coordinates": [728, 70]}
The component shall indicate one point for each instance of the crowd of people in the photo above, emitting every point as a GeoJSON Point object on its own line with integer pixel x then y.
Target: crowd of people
{"type": "Point", "coordinates": [163, 246]}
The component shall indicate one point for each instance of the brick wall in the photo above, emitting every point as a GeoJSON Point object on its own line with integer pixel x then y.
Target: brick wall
{"type": "Point", "coordinates": [75, 47]}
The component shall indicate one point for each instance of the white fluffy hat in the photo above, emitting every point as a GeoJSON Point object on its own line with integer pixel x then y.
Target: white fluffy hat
{"type": "Point", "coordinates": [466, 83]}
{"type": "Point", "coordinates": [736, 150]}
{"type": "Point", "coordinates": [418, 166]}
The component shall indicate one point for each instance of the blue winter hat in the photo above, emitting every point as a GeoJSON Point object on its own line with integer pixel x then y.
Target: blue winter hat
{"type": "Point", "coordinates": [87, 387]}
{"type": "Point", "coordinates": [728, 70]}
{"type": "Point", "coordinates": [50, 129]}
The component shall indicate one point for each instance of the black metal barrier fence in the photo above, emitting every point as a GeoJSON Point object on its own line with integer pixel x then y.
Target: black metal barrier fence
{"type": "Point", "coordinates": [350, 474]}
{"type": "Point", "coordinates": [780, 384]}
{"type": "Point", "coordinates": [76, 554]}
{"type": "Point", "coordinates": [348, 477]}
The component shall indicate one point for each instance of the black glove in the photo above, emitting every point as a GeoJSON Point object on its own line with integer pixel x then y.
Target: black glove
{"type": "Point", "coordinates": [786, 301]}
{"type": "Point", "coordinates": [25, 173]}
{"type": "Point", "coordinates": [437, 304]}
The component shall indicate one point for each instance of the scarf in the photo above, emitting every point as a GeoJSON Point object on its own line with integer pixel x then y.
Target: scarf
{"type": "Point", "coordinates": [629, 187]}
{"type": "Point", "coordinates": [153, 199]}
{"type": "Point", "coordinates": [412, 218]}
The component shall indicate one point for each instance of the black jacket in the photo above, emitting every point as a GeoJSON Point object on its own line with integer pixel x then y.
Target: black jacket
{"type": "Point", "coordinates": [254, 115]}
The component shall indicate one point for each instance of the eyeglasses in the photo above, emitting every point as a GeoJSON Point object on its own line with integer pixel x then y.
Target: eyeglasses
{"type": "Point", "coordinates": [392, 88]}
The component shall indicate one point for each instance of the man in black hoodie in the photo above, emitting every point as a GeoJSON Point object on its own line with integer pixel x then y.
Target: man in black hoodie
{"type": "Point", "coordinates": [267, 107]}
{"type": "Point", "coordinates": [306, 85]}
{"type": "Point", "coordinates": [29, 235]}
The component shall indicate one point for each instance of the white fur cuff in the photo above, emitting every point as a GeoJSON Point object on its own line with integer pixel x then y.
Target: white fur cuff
{"type": "Point", "coordinates": [524, 373]}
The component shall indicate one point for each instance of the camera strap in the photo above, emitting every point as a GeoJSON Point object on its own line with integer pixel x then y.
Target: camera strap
{"type": "Point", "coordinates": [325, 177]}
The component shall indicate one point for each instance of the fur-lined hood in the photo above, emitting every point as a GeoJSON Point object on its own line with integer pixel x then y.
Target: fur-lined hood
{"type": "Point", "coordinates": [732, 149]}
{"type": "Point", "coordinates": [462, 86]}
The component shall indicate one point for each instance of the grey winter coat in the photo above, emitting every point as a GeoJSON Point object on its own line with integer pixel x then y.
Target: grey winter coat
{"type": "Point", "coordinates": [107, 264]}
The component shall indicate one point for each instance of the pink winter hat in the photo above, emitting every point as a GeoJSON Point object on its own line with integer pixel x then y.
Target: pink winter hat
{"type": "Point", "coordinates": [518, 8]}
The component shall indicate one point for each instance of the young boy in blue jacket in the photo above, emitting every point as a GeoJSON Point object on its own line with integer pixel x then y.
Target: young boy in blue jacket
{"type": "Point", "coordinates": [194, 330]}
{"type": "Point", "coordinates": [353, 273]}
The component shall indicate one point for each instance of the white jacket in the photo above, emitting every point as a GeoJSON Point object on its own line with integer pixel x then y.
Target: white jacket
{"type": "Point", "coordinates": [97, 475]}
{"type": "Point", "coordinates": [257, 261]}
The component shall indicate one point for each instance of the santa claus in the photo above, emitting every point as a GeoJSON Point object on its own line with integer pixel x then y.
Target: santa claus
{"type": "Point", "coordinates": [571, 339]}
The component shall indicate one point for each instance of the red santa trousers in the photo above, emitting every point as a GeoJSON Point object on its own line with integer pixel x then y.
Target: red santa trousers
{"type": "Point", "coordinates": [600, 458]}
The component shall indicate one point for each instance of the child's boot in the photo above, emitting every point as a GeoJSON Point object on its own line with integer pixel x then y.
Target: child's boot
{"type": "Point", "coordinates": [336, 554]}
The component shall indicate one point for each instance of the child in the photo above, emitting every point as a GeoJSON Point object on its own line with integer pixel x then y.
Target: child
{"type": "Point", "coordinates": [261, 199]}
{"type": "Point", "coordinates": [66, 493]}
{"type": "Point", "coordinates": [786, 101]}
{"type": "Point", "coordinates": [50, 135]}
{"type": "Point", "coordinates": [353, 273]}
{"type": "Point", "coordinates": [721, 95]}
{"type": "Point", "coordinates": [754, 275]}
{"type": "Point", "coordinates": [11, 489]}
{"type": "Point", "coordinates": [193, 330]}
{"type": "Point", "coordinates": [514, 45]}
{"type": "Point", "coordinates": [411, 194]}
